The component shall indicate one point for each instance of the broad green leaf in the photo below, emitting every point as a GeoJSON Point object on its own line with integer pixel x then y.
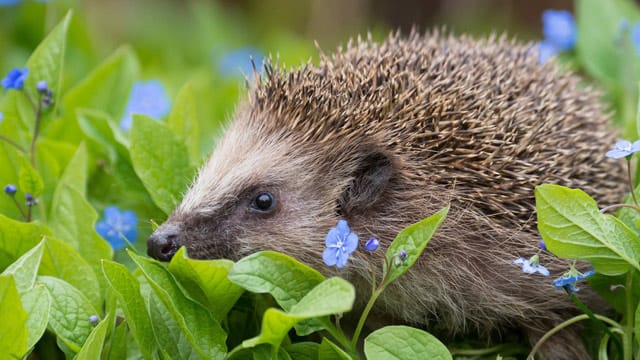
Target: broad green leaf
{"type": "Point", "coordinates": [73, 220]}
{"type": "Point", "coordinates": [92, 348]}
{"type": "Point", "coordinates": [413, 239]}
{"type": "Point", "coordinates": [161, 161]}
{"type": "Point", "coordinates": [47, 60]}
{"type": "Point", "coordinates": [13, 332]}
{"type": "Point", "coordinates": [183, 121]}
{"type": "Point", "coordinates": [118, 347]}
{"type": "Point", "coordinates": [332, 296]}
{"type": "Point", "coordinates": [105, 88]}
{"type": "Point", "coordinates": [403, 343]}
{"type": "Point", "coordinates": [95, 125]}
{"type": "Point", "coordinates": [61, 261]}
{"type": "Point", "coordinates": [16, 238]}
{"type": "Point", "coordinates": [127, 289]}
{"type": "Point", "coordinates": [53, 157]}
{"type": "Point", "coordinates": [37, 304]}
{"type": "Point", "coordinates": [637, 324]}
{"type": "Point", "coordinates": [25, 269]}
{"type": "Point", "coordinates": [206, 281]}
{"type": "Point", "coordinates": [75, 174]}
{"type": "Point", "coordinates": [303, 350]}
{"type": "Point", "coordinates": [70, 312]}
{"type": "Point", "coordinates": [203, 333]}
{"type": "Point", "coordinates": [171, 340]}
{"type": "Point", "coordinates": [280, 275]}
{"type": "Point", "coordinates": [330, 351]}
{"type": "Point", "coordinates": [29, 180]}
{"type": "Point", "coordinates": [573, 227]}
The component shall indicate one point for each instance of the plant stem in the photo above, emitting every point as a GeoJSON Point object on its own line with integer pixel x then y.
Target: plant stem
{"type": "Point", "coordinates": [36, 130]}
{"type": "Point", "coordinates": [615, 206]}
{"type": "Point", "coordinates": [565, 324]}
{"type": "Point", "coordinates": [24, 216]}
{"type": "Point", "coordinates": [365, 314]}
{"type": "Point", "coordinates": [12, 143]}
{"type": "Point", "coordinates": [633, 193]}
{"type": "Point", "coordinates": [339, 336]}
{"type": "Point", "coordinates": [592, 316]}
{"type": "Point", "coordinates": [627, 339]}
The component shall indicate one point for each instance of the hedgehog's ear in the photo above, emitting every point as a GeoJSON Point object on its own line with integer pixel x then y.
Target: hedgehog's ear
{"type": "Point", "coordinates": [370, 178]}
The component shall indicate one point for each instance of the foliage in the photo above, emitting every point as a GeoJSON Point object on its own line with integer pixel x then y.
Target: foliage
{"type": "Point", "coordinates": [74, 143]}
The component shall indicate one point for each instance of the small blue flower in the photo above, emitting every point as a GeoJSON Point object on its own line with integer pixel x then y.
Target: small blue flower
{"type": "Point", "coordinates": [372, 244]}
{"type": "Point", "coordinates": [340, 242]}
{"type": "Point", "coordinates": [42, 86]}
{"type": "Point", "coordinates": [546, 50]}
{"type": "Point", "coordinates": [116, 225]}
{"type": "Point", "coordinates": [238, 62]}
{"type": "Point", "coordinates": [532, 265]}
{"type": "Point", "coordinates": [15, 79]}
{"type": "Point", "coordinates": [622, 149]}
{"type": "Point", "coordinates": [568, 280]}
{"type": "Point", "coordinates": [559, 28]}
{"type": "Point", "coordinates": [10, 189]}
{"type": "Point", "coordinates": [146, 98]}
{"type": "Point", "coordinates": [9, 2]}
{"type": "Point", "coordinates": [542, 245]}
{"type": "Point", "coordinates": [635, 37]}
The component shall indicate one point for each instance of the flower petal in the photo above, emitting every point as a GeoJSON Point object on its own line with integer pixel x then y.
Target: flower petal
{"type": "Point", "coordinates": [351, 243]}
{"type": "Point", "coordinates": [332, 238]}
{"type": "Point", "coordinates": [330, 256]}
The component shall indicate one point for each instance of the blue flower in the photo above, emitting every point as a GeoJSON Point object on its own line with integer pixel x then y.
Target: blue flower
{"type": "Point", "coordinates": [546, 50]}
{"type": "Point", "coordinates": [542, 245]}
{"type": "Point", "coordinates": [532, 265]}
{"type": "Point", "coordinates": [372, 244]}
{"type": "Point", "coordinates": [635, 37]}
{"type": "Point", "coordinates": [15, 79]}
{"type": "Point", "coordinates": [10, 189]}
{"type": "Point", "coordinates": [623, 148]}
{"type": "Point", "coordinates": [238, 62]}
{"type": "Point", "coordinates": [9, 2]}
{"type": "Point", "coordinates": [146, 98]}
{"type": "Point", "coordinates": [568, 280]}
{"type": "Point", "coordinates": [340, 242]}
{"type": "Point", "coordinates": [560, 29]}
{"type": "Point", "coordinates": [116, 225]}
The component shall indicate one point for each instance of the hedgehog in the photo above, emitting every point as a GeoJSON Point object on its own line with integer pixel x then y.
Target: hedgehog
{"type": "Point", "coordinates": [384, 134]}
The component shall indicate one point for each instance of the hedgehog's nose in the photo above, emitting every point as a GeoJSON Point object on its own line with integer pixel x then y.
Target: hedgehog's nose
{"type": "Point", "coordinates": [163, 243]}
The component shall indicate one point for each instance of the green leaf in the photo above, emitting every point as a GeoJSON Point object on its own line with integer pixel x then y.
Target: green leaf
{"type": "Point", "coordinates": [73, 220]}
{"type": "Point", "coordinates": [183, 121]}
{"type": "Point", "coordinates": [118, 347]}
{"type": "Point", "coordinates": [573, 227]}
{"type": "Point", "coordinates": [29, 180]}
{"type": "Point", "coordinates": [13, 332]}
{"type": "Point", "coordinates": [203, 333]}
{"type": "Point", "coordinates": [206, 281]}
{"type": "Point", "coordinates": [413, 239]}
{"type": "Point", "coordinates": [16, 238]}
{"type": "Point", "coordinates": [280, 275]}
{"type": "Point", "coordinates": [637, 325]}
{"type": "Point", "coordinates": [332, 296]}
{"type": "Point", "coordinates": [75, 174]}
{"type": "Point", "coordinates": [92, 348]}
{"type": "Point", "coordinates": [47, 60]}
{"type": "Point", "coordinates": [161, 161]}
{"type": "Point", "coordinates": [114, 76]}
{"type": "Point", "coordinates": [303, 350]}
{"type": "Point", "coordinates": [61, 261]}
{"type": "Point", "coordinates": [95, 125]}
{"type": "Point", "coordinates": [171, 340]}
{"type": "Point", "coordinates": [127, 289]}
{"type": "Point", "coordinates": [70, 312]}
{"type": "Point", "coordinates": [25, 269]}
{"type": "Point", "coordinates": [404, 343]}
{"type": "Point", "coordinates": [330, 351]}
{"type": "Point", "coordinates": [37, 304]}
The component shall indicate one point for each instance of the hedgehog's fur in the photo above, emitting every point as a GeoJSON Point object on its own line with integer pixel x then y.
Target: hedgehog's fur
{"type": "Point", "coordinates": [385, 134]}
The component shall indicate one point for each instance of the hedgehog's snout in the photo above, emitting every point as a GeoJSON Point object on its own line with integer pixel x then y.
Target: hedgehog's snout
{"type": "Point", "coordinates": [163, 243]}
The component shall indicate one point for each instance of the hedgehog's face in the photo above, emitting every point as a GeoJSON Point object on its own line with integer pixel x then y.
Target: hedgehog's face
{"type": "Point", "coordinates": [257, 193]}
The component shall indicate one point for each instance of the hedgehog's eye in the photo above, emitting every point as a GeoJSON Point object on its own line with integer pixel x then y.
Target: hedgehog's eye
{"type": "Point", "coordinates": [264, 201]}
